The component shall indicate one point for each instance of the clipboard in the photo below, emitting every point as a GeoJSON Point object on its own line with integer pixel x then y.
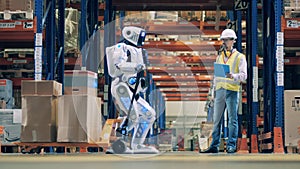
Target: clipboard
{"type": "Point", "coordinates": [220, 70]}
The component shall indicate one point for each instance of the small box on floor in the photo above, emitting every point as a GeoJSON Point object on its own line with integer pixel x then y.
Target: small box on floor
{"type": "Point", "coordinates": [79, 119]}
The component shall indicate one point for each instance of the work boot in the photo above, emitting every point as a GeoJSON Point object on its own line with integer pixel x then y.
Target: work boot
{"type": "Point", "coordinates": [210, 150]}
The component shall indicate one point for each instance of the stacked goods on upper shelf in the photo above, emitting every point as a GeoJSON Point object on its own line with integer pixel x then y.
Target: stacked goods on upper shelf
{"type": "Point", "coordinates": [14, 5]}
{"type": "Point", "coordinates": [292, 8]}
{"type": "Point", "coordinates": [71, 31]}
{"type": "Point", "coordinates": [16, 9]}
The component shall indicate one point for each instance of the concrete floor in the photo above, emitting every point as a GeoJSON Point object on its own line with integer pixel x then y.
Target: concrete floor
{"type": "Point", "coordinates": [174, 160]}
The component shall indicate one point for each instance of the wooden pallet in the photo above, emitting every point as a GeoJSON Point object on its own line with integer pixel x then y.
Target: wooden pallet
{"type": "Point", "coordinates": [38, 147]}
{"type": "Point", "coordinates": [19, 53]}
{"type": "Point", "coordinates": [16, 15]}
{"type": "Point", "coordinates": [106, 138]}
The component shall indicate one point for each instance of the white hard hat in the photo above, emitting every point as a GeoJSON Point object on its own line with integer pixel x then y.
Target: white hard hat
{"type": "Point", "coordinates": [228, 33]}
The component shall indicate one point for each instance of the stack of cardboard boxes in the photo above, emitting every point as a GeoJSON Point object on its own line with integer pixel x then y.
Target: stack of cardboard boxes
{"type": "Point", "coordinates": [49, 116]}
{"type": "Point", "coordinates": [79, 110]}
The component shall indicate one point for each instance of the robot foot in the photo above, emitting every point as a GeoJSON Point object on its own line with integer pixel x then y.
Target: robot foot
{"type": "Point", "coordinates": [120, 147]}
{"type": "Point", "coordinates": [143, 149]}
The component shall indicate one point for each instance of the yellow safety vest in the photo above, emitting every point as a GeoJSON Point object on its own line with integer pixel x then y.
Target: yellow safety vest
{"type": "Point", "coordinates": [233, 62]}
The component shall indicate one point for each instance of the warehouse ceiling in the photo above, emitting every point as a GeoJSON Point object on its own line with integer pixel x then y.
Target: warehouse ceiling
{"type": "Point", "coordinates": [171, 5]}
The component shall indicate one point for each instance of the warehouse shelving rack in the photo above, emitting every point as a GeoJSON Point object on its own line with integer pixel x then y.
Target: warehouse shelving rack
{"type": "Point", "coordinates": [273, 72]}
{"type": "Point", "coordinates": [272, 12]}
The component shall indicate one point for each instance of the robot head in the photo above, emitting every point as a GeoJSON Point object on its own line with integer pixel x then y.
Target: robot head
{"type": "Point", "coordinates": [134, 35]}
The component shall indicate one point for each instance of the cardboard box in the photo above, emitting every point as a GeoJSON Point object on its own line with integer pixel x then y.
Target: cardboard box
{"type": "Point", "coordinates": [79, 82]}
{"type": "Point", "coordinates": [39, 119]}
{"type": "Point", "coordinates": [291, 117]}
{"type": "Point", "coordinates": [79, 119]}
{"type": "Point", "coordinates": [41, 88]}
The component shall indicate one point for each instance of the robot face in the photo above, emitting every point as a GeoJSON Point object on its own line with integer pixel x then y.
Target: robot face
{"type": "Point", "coordinates": [134, 35]}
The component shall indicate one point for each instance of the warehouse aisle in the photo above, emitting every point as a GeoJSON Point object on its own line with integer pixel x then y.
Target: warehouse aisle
{"type": "Point", "coordinates": [178, 160]}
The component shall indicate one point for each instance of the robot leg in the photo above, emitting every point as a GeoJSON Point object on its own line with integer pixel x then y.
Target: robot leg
{"type": "Point", "coordinates": [145, 122]}
{"type": "Point", "coordinates": [122, 95]}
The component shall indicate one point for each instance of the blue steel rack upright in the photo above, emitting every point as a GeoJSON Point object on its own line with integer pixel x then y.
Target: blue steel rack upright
{"type": "Point", "coordinates": [51, 31]}
{"type": "Point", "coordinates": [89, 35]}
{"type": "Point", "coordinates": [38, 39]}
{"type": "Point", "coordinates": [55, 37]}
{"type": "Point", "coordinates": [109, 40]}
{"type": "Point", "coordinates": [61, 40]}
{"type": "Point", "coordinates": [273, 68]}
{"type": "Point", "coordinates": [252, 82]}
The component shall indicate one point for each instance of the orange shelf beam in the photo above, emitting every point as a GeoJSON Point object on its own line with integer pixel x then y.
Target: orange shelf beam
{"type": "Point", "coordinates": [185, 99]}
{"type": "Point", "coordinates": [181, 59]}
{"type": "Point", "coordinates": [184, 94]}
{"type": "Point", "coordinates": [182, 46]}
{"type": "Point", "coordinates": [167, 70]}
{"type": "Point", "coordinates": [182, 78]}
{"type": "Point", "coordinates": [182, 84]}
{"type": "Point", "coordinates": [184, 90]}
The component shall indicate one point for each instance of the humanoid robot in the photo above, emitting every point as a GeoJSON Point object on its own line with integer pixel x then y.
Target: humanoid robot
{"type": "Point", "coordinates": [125, 65]}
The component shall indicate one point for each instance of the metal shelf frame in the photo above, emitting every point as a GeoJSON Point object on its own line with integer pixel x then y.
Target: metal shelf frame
{"type": "Point", "coordinates": [273, 66]}
{"type": "Point", "coordinates": [89, 35]}
{"type": "Point", "coordinates": [54, 63]}
{"type": "Point", "coordinates": [252, 80]}
{"type": "Point", "coordinates": [273, 95]}
{"type": "Point", "coordinates": [41, 18]}
{"type": "Point", "coordinates": [109, 40]}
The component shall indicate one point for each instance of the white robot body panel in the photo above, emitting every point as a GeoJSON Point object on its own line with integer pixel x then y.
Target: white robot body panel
{"type": "Point", "coordinates": [117, 59]}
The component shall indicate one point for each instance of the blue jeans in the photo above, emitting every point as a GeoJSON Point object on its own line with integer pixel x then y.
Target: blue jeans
{"type": "Point", "coordinates": [230, 99]}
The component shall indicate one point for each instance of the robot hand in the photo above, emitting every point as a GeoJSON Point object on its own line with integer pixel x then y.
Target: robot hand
{"type": "Point", "coordinates": [139, 67]}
